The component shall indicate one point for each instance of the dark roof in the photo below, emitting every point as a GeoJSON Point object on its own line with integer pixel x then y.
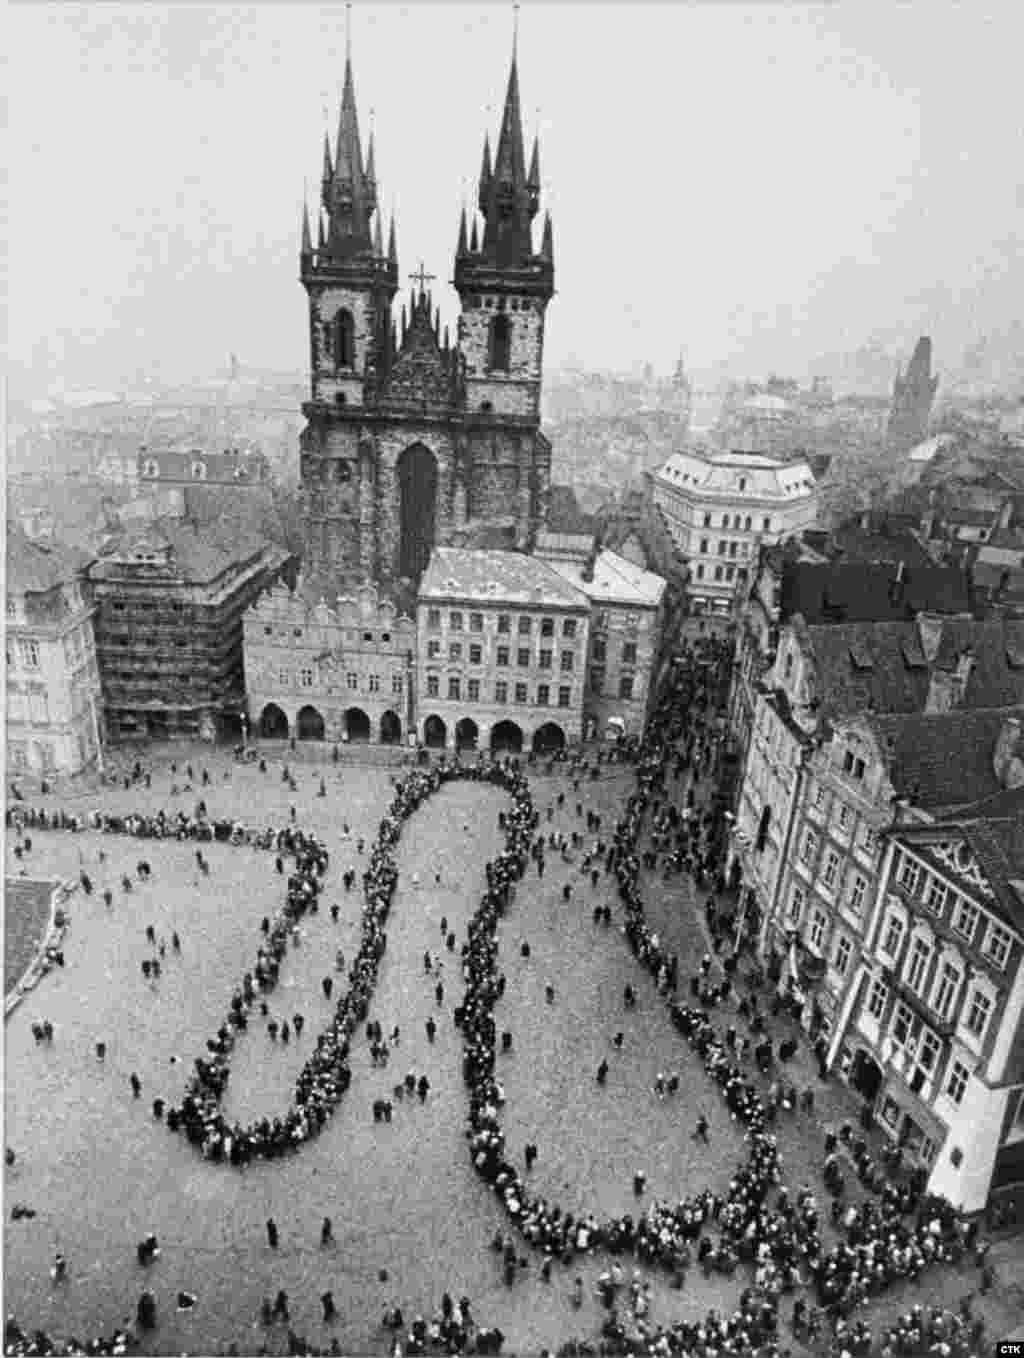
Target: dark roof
{"type": "Point", "coordinates": [895, 681]}
{"type": "Point", "coordinates": [859, 591]}
{"type": "Point", "coordinates": [942, 762]}
{"type": "Point", "coordinates": [884, 543]}
{"type": "Point", "coordinates": [34, 567]}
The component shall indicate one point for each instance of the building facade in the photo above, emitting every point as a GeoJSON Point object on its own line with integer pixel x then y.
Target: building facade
{"type": "Point", "coordinates": [169, 608]}
{"type": "Point", "coordinates": [934, 1042]}
{"type": "Point", "coordinates": [719, 508]}
{"type": "Point", "coordinates": [625, 658]}
{"type": "Point", "coordinates": [54, 713]}
{"type": "Point", "coordinates": [342, 673]}
{"type": "Point", "coordinates": [502, 641]}
{"type": "Point", "coordinates": [412, 441]}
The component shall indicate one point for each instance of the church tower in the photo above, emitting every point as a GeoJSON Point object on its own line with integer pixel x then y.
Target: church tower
{"type": "Point", "coordinates": [350, 280]}
{"type": "Point", "coordinates": [912, 396]}
{"type": "Point", "coordinates": [504, 288]}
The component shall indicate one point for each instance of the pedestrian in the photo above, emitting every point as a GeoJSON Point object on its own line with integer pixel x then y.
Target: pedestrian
{"type": "Point", "coordinates": [431, 1029]}
{"type": "Point", "coordinates": [639, 1182]}
{"type": "Point", "coordinates": [700, 1132]}
{"type": "Point", "coordinates": [602, 1072]}
{"type": "Point", "coordinates": [272, 1234]}
{"type": "Point", "coordinates": [439, 993]}
{"type": "Point", "coordinates": [281, 1305]}
{"type": "Point", "coordinates": [549, 993]}
{"type": "Point", "coordinates": [326, 1232]}
{"type": "Point", "coordinates": [136, 1084]}
{"type": "Point", "coordinates": [326, 1299]}
{"type": "Point", "coordinates": [617, 1041]}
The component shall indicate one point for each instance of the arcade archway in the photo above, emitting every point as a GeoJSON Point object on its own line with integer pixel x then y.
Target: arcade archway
{"type": "Point", "coordinates": [357, 725]}
{"type": "Point", "coordinates": [390, 729]}
{"type": "Point", "coordinates": [435, 733]}
{"type": "Point", "coordinates": [507, 737]}
{"type": "Point", "coordinates": [466, 734]}
{"type": "Point", "coordinates": [548, 738]}
{"type": "Point", "coordinates": [273, 723]}
{"type": "Point", "coordinates": [309, 724]}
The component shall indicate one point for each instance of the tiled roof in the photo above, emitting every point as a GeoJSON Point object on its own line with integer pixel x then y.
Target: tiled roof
{"type": "Point", "coordinates": [858, 591]}
{"type": "Point", "coordinates": [858, 544]}
{"type": "Point", "coordinates": [199, 555]}
{"type": "Point", "coordinates": [33, 567]}
{"type": "Point", "coordinates": [505, 577]}
{"type": "Point", "coordinates": [942, 762]}
{"type": "Point", "coordinates": [616, 581]}
{"type": "Point", "coordinates": [892, 685]}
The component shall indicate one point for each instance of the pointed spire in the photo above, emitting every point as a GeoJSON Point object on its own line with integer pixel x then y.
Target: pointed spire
{"type": "Point", "coordinates": [405, 323]}
{"type": "Point", "coordinates": [371, 172]}
{"type": "Point", "coordinates": [533, 178]}
{"type": "Point", "coordinates": [328, 172]}
{"type": "Point", "coordinates": [460, 249]}
{"type": "Point", "coordinates": [321, 240]}
{"type": "Point", "coordinates": [307, 240]}
{"type": "Point", "coordinates": [447, 346]}
{"type": "Point", "coordinates": [378, 235]}
{"type": "Point", "coordinates": [484, 194]}
{"type": "Point", "coordinates": [437, 324]}
{"type": "Point", "coordinates": [547, 249]}
{"type": "Point", "coordinates": [474, 242]}
{"type": "Point", "coordinates": [392, 247]}
{"type": "Point", "coordinates": [510, 159]}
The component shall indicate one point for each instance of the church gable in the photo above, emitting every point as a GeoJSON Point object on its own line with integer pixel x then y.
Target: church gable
{"type": "Point", "coordinates": [424, 372]}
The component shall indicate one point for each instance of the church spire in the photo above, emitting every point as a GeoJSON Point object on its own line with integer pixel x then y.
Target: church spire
{"type": "Point", "coordinates": [533, 178]}
{"type": "Point", "coordinates": [509, 159]}
{"type": "Point", "coordinates": [547, 249]}
{"type": "Point", "coordinates": [307, 240]}
{"type": "Point", "coordinates": [392, 247]}
{"type": "Point", "coordinates": [352, 194]}
{"type": "Point", "coordinates": [378, 235]}
{"type": "Point", "coordinates": [462, 247]}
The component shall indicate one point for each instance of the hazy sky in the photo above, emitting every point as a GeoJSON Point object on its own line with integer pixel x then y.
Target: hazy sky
{"type": "Point", "coordinates": [755, 183]}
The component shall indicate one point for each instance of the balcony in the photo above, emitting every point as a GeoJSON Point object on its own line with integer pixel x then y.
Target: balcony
{"type": "Point", "coordinates": [943, 1028]}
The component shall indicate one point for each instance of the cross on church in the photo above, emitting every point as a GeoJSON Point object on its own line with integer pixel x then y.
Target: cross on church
{"type": "Point", "coordinates": [423, 278]}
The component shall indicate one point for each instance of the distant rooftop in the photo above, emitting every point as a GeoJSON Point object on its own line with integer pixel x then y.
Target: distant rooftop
{"type": "Point", "coordinates": [35, 566]}
{"type": "Point", "coordinates": [501, 577]}
{"type": "Point", "coordinates": [738, 474]}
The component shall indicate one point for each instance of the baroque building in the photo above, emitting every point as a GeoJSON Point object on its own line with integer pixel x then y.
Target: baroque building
{"type": "Point", "coordinates": [720, 507]}
{"type": "Point", "coordinates": [53, 702]}
{"type": "Point", "coordinates": [318, 673]}
{"type": "Point", "coordinates": [413, 441]}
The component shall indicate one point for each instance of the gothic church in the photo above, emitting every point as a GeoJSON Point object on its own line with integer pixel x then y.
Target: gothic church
{"type": "Point", "coordinates": [411, 441]}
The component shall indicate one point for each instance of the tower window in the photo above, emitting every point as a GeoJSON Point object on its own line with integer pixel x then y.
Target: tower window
{"type": "Point", "coordinates": [344, 340]}
{"type": "Point", "coordinates": [501, 335]}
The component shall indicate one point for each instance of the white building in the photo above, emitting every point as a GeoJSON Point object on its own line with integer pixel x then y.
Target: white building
{"type": "Point", "coordinates": [54, 706]}
{"type": "Point", "coordinates": [720, 506]}
{"type": "Point", "coordinates": [502, 643]}
{"type": "Point", "coordinates": [626, 625]}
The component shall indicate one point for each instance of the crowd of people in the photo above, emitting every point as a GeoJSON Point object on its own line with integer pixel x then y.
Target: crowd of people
{"type": "Point", "coordinates": [757, 1221]}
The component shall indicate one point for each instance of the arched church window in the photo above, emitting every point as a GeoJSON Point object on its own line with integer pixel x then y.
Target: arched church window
{"type": "Point", "coordinates": [501, 336]}
{"type": "Point", "coordinates": [344, 340]}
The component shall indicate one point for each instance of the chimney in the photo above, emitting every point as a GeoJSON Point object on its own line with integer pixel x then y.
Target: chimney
{"type": "Point", "coordinates": [962, 673]}
{"type": "Point", "coordinates": [929, 631]}
{"type": "Point", "coordinates": [1004, 755]}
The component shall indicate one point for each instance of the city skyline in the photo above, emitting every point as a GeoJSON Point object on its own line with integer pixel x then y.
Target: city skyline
{"type": "Point", "coordinates": [707, 212]}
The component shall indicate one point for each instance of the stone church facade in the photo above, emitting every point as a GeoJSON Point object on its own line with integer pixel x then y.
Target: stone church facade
{"type": "Point", "coordinates": [413, 441]}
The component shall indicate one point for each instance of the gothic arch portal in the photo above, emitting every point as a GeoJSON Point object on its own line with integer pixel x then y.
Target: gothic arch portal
{"type": "Point", "coordinates": [417, 482]}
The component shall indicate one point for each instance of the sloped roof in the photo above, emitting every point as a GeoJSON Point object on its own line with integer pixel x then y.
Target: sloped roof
{"type": "Point", "coordinates": [943, 761]}
{"type": "Point", "coordinates": [892, 685]}
{"type": "Point", "coordinates": [499, 577]}
{"type": "Point", "coordinates": [859, 591]}
{"type": "Point", "coordinates": [616, 581]}
{"type": "Point", "coordinates": [997, 844]}
{"type": "Point", "coordinates": [34, 567]}
{"type": "Point", "coordinates": [199, 555]}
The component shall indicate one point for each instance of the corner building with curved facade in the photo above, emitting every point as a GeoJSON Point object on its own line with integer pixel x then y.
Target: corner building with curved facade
{"type": "Point", "coordinates": [412, 441]}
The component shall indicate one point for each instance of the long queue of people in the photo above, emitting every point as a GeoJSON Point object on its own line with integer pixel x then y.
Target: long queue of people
{"type": "Point", "coordinates": [177, 825]}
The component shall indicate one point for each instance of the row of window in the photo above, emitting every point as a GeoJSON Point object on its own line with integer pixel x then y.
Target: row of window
{"type": "Point", "coordinates": [307, 675]}
{"type": "Point", "coordinates": [459, 622]}
{"type": "Point", "coordinates": [946, 985]}
{"type": "Point", "coordinates": [936, 897]}
{"type": "Point", "coordinates": [726, 548]}
{"type": "Point", "coordinates": [599, 652]}
{"type": "Point", "coordinates": [502, 688]}
{"type": "Point", "coordinates": [545, 658]}
{"type": "Point", "coordinates": [722, 572]}
{"type": "Point", "coordinates": [27, 654]}
{"type": "Point", "coordinates": [739, 520]}
{"type": "Point", "coordinates": [597, 683]}
{"type": "Point", "coordinates": [298, 632]}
